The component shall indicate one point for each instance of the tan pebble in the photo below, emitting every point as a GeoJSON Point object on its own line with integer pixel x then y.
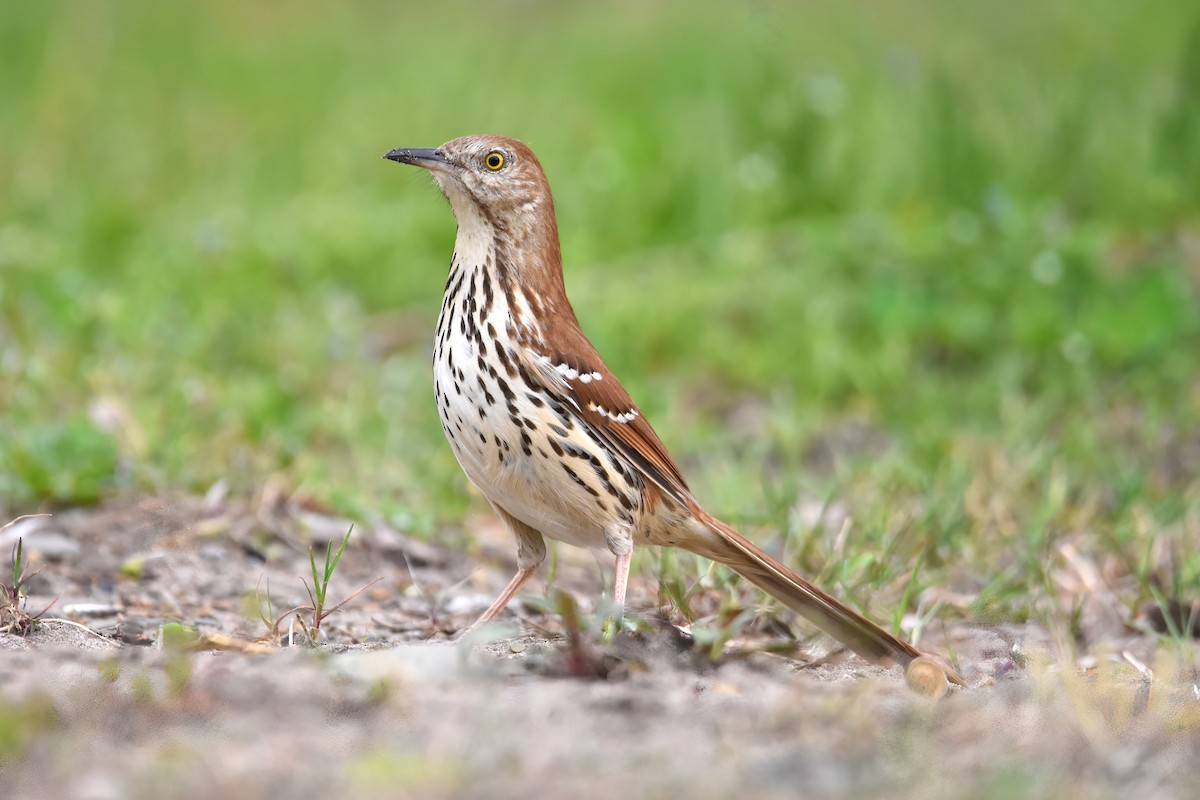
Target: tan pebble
{"type": "Point", "coordinates": [926, 677]}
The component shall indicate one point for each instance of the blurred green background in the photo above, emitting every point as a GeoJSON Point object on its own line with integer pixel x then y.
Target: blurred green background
{"type": "Point", "coordinates": [937, 263]}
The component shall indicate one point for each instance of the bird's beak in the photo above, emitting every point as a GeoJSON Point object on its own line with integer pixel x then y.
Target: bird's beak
{"type": "Point", "coordinates": [427, 157]}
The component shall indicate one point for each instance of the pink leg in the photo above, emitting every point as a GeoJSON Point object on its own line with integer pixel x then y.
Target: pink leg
{"type": "Point", "coordinates": [531, 550]}
{"type": "Point", "coordinates": [621, 580]}
{"type": "Point", "coordinates": [520, 579]}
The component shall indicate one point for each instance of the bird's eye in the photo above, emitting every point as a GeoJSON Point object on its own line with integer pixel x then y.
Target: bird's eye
{"type": "Point", "coordinates": [494, 160]}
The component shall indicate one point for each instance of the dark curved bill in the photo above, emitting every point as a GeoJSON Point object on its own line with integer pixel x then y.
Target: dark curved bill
{"type": "Point", "coordinates": [427, 157]}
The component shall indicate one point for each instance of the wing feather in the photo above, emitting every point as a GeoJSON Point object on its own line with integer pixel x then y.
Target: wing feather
{"type": "Point", "coordinates": [575, 374]}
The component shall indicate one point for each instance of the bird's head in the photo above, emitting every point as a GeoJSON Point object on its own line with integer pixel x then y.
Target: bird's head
{"type": "Point", "coordinates": [493, 177]}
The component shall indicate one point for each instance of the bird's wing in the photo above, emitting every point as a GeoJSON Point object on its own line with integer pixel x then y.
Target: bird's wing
{"type": "Point", "coordinates": [572, 371]}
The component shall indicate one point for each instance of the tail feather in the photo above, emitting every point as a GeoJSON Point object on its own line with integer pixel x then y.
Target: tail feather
{"type": "Point", "coordinates": [822, 609]}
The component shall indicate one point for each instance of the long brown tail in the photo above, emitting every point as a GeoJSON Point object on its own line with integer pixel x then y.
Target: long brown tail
{"type": "Point", "coordinates": [820, 608]}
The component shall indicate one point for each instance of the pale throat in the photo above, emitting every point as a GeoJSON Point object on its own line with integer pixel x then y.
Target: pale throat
{"type": "Point", "coordinates": [476, 239]}
{"type": "Point", "coordinates": [475, 250]}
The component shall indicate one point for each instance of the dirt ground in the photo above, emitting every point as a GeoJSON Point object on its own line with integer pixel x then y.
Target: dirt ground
{"type": "Point", "coordinates": [102, 701]}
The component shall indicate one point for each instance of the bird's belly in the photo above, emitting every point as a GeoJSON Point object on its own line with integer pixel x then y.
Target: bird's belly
{"type": "Point", "coordinates": [509, 442]}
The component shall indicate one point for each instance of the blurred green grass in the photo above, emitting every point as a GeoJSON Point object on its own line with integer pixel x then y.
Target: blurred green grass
{"type": "Point", "coordinates": [971, 231]}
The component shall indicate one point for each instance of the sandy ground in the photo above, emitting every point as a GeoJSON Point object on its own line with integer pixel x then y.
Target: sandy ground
{"type": "Point", "coordinates": [103, 705]}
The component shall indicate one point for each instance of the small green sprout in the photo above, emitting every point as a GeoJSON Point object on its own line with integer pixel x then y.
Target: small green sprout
{"type": "Point", "coordinates": [317, 594]}
{"type": "Point", "coordinates": [14, 612]}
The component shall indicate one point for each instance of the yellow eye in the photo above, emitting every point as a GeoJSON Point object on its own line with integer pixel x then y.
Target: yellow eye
{"type": "Point", "coordinates": [494, 160]}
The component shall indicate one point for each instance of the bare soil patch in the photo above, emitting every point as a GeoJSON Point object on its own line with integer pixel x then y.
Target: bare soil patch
{"type": "Point", "coordinates": [387, 705]}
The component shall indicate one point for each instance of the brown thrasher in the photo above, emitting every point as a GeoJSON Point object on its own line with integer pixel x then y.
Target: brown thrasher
{"type": "Point", "coordinates": [540, 424]}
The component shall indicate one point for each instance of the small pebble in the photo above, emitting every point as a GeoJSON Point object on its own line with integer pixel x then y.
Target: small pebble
{"type": "Point", "coordinates": [90, 609]}
{"type": "Point", "coordinates": [926, 677]}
